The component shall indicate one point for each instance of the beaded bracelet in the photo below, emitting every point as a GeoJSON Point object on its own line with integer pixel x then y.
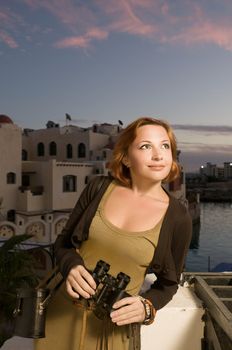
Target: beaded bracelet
{"type": "Point", "coordinates": [149, 311]}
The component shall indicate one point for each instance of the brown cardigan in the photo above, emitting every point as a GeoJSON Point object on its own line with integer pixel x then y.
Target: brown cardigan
{"type": "Point", "coordinates": [169, 257]}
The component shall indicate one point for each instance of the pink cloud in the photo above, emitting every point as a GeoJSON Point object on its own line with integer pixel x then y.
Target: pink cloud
{"type": "Point", "coordinates": [97, 33]}
{"type": "Point", "coordinates": [126, 17]}
{"type": "Point", "coordinates": [79, 41]}
{"type": "Point", "coordinates": [3, 16]}
{"type": "Point", "coordinates": [220, 35]}
{"type": "Point", "coordinates": [83, 41]}
{"type": "Point", "coordinates": [10, 22]}
{"type": "Point", "coordinates": [163, 21]}
{"type": "Point", "coordinates": [8, 40]}
{"type": "Point", "coordinates": [197, 27]}
{"type": "Point", "coordinates": [117, 16]}
{"type": "Point", "coordinates": [75, 17]}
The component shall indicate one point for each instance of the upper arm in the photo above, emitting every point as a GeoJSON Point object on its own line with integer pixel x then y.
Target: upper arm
{"type": "Point", "coordinates": [181, 240]}
{"type": "Point", "coordinates": [166, 284]}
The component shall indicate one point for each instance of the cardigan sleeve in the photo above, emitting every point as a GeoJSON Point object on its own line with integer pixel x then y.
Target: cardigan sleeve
{"type": "Point", "coordinates": [64, 248]}
{"type": "Point", "coordinates": [168, 276]}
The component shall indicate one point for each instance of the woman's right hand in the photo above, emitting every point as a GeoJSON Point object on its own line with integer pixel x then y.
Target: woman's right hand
{"type": "Point", "coordinates": [80, 282]}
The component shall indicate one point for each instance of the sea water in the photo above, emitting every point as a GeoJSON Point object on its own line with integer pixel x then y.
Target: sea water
{"type": "Point", "coordinates": [212, 238]}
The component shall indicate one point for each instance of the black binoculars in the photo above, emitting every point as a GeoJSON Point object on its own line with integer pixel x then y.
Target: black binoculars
{"type": "Point", "coordinates": [109, 289]}
{"type": "Point", "coordinates": [31, 304]}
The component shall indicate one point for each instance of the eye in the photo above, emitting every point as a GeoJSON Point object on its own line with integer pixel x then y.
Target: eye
{"type": "Point", "coordinates": [145, 146]}
{"type": "Point", "coordinates": [165, 146]}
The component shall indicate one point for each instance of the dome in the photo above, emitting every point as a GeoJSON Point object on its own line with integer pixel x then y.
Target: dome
{"type": "Point", "coordinates": [4, 119]}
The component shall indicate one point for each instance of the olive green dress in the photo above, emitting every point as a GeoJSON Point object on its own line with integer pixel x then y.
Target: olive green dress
{"type": "Point", "coordinates": [73, 326]}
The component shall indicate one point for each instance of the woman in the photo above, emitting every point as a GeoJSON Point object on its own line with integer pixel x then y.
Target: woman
{"type": "Point", "coordinates": [132, 223]}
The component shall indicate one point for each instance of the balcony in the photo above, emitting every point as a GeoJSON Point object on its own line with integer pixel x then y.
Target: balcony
{"type": "Point", "coordinates": [35, 190]}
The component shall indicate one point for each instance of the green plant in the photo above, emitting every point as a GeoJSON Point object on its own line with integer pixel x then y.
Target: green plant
{"type": "Point", "coordinates": [16, 271]}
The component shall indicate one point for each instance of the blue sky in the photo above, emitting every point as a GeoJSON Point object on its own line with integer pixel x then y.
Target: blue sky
{"type": "Point", "coordinates": [105, 60]}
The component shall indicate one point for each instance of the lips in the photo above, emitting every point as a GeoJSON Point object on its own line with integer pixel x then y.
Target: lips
{"type": "Point", "coordinates": [156, 167]}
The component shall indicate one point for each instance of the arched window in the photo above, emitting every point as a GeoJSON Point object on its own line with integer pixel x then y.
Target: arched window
{"type": "Point", "coordinates": [11, 215]}
{"type": "Point", "coordinates": [11, 178]}
{"type": "Point", "coordinates": [104, 154]}
{"type": "Point", "coordinates": [69, 151]}
{"type": "Point", "coordinates": [40, 149]}
{"type": "Point", "coordinates": [69, 183]}
{"type": "Point", "coordinates": [24, 154]}
{"type": "Point", "coordinates": [52, 148]}
{"type": "Point", "coordinates": [81, 150]}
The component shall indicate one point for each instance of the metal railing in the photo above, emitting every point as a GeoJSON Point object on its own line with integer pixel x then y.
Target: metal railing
{"type": "Point", "coordinates": [215, 291]}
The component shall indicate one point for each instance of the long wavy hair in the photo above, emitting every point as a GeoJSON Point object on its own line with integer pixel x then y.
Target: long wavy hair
{"type": "Point", "coordinates": [116, 167]}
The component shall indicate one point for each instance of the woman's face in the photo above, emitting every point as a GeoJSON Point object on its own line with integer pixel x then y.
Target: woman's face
{"type": "Point", "coordinates": [150, 156]}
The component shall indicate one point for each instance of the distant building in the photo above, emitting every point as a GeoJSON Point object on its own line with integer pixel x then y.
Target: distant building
{"type": "Point", "coordinates": [228, 170]}
{"type": "Point", "coordinates": [213, 171]}
{"type": "Point", "coordinates": [221, 173]}
{"type": "Point", "coordinates": [210, 170]}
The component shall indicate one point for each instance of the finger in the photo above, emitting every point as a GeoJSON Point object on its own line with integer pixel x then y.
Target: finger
{"type": "Point", "coordinates": [135, 308]}
{"type": "Point", "coordinates": [71, 291]}
{"type": "Point", "coordinates": [133, 311]}
{"type": "Point", "coordinates": [81, 287]}
{"type": "Point", "coordinates": [127, 318]}
{"type": "Point", "coordinates": [125, 301]}
{"type": "Point", "coordinates": [88, 277]}
{"type": "Point", "coordinates": [79, 277]}
{"type": "Point", "coordinates": [123, 314]}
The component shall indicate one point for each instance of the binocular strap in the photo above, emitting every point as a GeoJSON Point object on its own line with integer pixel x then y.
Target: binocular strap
{"type": "Point", "coordinates": [133, 330]}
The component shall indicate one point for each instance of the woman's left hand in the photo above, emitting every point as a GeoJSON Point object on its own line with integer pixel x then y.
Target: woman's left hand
{"type": "Point", "coordinates": [128, 310]}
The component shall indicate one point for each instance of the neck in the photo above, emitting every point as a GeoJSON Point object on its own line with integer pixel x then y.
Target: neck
{"type": "Point", "coordinates": [151, 189]}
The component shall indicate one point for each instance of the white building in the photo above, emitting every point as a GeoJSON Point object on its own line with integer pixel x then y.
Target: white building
{"type": "Point", "coordinates": [43, 173]}
{"type": "Point", "coordinates": [11, 165]}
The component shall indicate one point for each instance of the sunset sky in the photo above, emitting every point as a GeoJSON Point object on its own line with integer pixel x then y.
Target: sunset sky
{"type": "Point", "coordinates": [110, 60]}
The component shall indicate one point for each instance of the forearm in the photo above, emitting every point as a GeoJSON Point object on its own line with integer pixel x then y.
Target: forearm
{"type": "Point", "coordinates": [67, 258]}
{"type": "Point", "coordinates": [161, 293]}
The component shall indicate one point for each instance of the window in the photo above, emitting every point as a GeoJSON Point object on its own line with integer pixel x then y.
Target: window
{"type": "Point", "coordinates": [11, 215]}
{"type": "Point", "coordinates": [25, 180]}
{"type": "Point", "coordinates": [24, 154]}
{"type": "Point", "coordinates": [40, 149]}
{"type": "Point", "coordinates": [69, 183]}
{"type": "Point", "coordinates": [69, 151]}
{"type": "Point", "coordinates": [81, 150]}
{"type": "Point", "coordinates": [11, 178]}
{"type": "Point", "coordinates": [52, 148]}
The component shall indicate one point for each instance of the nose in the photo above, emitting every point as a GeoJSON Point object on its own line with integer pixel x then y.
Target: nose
{"type": "Point", "coordinates": [156, 155]}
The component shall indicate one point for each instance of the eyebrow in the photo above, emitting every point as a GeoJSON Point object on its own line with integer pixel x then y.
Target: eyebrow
{"type": "Point", "coordinates": [151, 142]}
